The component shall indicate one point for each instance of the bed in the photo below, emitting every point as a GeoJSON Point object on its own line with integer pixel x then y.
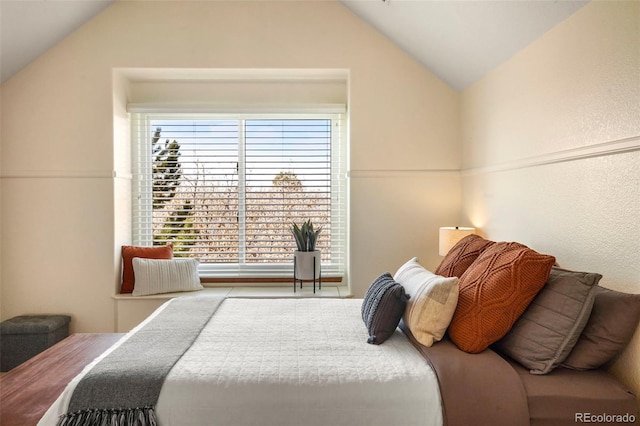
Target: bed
{"type": "Point", "coordinates": [306, 362]}
{"type": "Point", "coordinates": [281, 362]}
{"type": "Point", "coordinates": [497, 335]}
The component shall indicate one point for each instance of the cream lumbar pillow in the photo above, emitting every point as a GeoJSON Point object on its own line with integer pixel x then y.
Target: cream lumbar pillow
{"type": "Point", "coordinates": [155, 276]}
{"type": "Point", "coordinates": [432, 301]}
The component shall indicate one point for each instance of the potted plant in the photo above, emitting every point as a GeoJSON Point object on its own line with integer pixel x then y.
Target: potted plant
{"type": "Point", "coordinates": [306, 257]}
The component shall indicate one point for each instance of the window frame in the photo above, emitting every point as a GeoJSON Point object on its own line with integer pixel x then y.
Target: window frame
{"type": "Point", "coordinates": [142, 159]}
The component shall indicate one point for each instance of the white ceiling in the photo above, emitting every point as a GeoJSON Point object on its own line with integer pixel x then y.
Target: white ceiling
{"type": "Point", "coordinates": [457, 40]}
{"type": "Point", "coordinates": [28, 28]}
{"type": "Point", "coordinates": [460, 41]}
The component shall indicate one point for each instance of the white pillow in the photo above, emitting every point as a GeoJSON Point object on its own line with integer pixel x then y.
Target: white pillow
{"type": "Point", "coordinates": [154, 276]}
{"type": "Point", "coordinates": [433, 300]}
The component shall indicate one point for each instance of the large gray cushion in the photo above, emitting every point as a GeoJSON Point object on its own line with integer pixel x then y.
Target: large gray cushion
{"type": "Point", "coordinates": [613, 321]}
{"type": "Point", "coordinates": [548, 330]}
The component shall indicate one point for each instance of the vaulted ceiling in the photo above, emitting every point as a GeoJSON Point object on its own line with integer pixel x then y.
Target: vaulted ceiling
{"type": "Point", "coordinates": [459, 41]}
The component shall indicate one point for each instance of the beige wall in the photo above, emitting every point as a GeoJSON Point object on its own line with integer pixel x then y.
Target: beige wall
{"type": "Point", "coordinates": [65, 167]}
{"type": "Point", "coordinates": [551, 150]}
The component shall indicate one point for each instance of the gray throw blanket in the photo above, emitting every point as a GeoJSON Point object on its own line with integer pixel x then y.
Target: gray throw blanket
{"type": "Point", "coordinates": [123, 388]}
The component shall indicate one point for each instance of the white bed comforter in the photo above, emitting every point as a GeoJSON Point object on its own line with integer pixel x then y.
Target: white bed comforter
{"type": "Point", "coordinates": [293, 362]}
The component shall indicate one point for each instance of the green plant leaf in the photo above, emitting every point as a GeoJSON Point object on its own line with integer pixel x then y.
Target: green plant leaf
{"type": "Point", "coordinates": [305, 236]}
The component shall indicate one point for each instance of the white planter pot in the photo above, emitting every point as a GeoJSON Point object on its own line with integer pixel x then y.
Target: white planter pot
{"type": "Point", "coordinates": [304, 261]}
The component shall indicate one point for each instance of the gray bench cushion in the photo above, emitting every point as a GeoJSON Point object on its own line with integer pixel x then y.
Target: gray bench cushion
{"type": "Point", "coordinates": [33, 324]}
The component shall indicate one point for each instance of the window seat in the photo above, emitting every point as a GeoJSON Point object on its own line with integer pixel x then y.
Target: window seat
{"type": "Point", "coordinates": [131, 310]}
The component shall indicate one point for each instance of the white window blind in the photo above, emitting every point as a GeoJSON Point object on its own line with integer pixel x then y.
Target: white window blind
{"type": "Point", "coordinates": [226, 188]}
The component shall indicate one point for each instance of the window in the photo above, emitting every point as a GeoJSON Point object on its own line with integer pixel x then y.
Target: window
{"type": "Point", "coordinates": [226, 188]}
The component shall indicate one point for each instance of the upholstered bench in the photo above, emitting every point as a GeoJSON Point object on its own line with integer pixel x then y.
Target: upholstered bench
{"type": "Point", "coordinates": [25, 336]}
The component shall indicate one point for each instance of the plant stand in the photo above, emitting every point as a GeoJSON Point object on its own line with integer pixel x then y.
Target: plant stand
{"type": "Point", "coordinates": [314, 276]}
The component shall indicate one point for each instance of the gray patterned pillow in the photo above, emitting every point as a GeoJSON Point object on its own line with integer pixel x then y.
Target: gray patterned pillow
{"type": "Point", "coordinates": [382, 308]}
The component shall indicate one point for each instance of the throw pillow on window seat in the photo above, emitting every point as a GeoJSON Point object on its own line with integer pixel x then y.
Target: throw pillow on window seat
{"type": "Point", "coordinates": [129, 252]}
{"type": "Point", "coordinates": [154, 276]}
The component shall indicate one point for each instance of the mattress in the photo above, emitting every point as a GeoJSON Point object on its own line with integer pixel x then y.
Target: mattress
{"type": "Point", "coordinates": [293, 362]}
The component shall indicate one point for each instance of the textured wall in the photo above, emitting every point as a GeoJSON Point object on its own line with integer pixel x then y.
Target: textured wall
{"type": "Point", "coordinates": [551, 143]}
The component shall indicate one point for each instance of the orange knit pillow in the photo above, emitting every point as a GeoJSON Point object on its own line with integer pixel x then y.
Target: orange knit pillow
{"type": "Point", "coordinates": [495, 291]}
{"type": "Point", "coordinates": [129, 252]}
{"type": "Point", "coordinates": [462, 255]}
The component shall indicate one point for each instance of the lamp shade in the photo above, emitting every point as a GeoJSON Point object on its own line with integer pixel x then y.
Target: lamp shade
{"type": "Point", "coordinates": [449, 236]}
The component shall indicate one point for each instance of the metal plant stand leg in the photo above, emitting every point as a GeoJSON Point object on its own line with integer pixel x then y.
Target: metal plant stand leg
{"type": "Point", "coordinates": [319, 275]}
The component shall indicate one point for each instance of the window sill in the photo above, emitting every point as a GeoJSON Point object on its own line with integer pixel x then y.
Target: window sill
{"type": "Point", "coordinates": [335, 280]}
{"type": "Point", "coordinates": [331, 291]}
{"type": "Point", "coordinates": [132, 310]}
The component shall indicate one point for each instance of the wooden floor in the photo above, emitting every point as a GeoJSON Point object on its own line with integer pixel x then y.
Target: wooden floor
{"type": "Point", "coordinates": [27, 391]}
